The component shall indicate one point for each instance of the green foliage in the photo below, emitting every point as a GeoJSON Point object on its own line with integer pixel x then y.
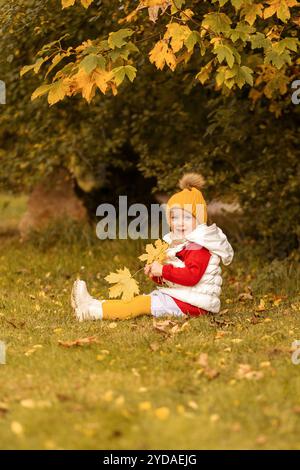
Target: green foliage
{"type": "Point", "coordinates": [279, 277]}
{"type": "Point", "coordinates": [190, 32]}
{"type": "Point", "coordinates": [167, 120]}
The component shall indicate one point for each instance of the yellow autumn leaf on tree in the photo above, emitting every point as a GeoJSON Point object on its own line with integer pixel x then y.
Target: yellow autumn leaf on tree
{"type": "Point", "coordinates": [58, 91]}
{"type": "Point", "coordinates": [86, 3]}
{"type": "Point", "coordinates": [178, 35]}
{"type": "Point", "coordinates": [67, 3]}
{"type": "Point", "coordinates": [84, 83]}
{"type": "Point", "coordinates": [251, 11]}
{"type": "Point", "coordinates": [103, 78]}
{"type": "Point", "coordinates": [205, 72]}
{"type": "Point", "coordinates": [162, 54]}
{"type": "Point", "coordinates": [125, 285]}
{"type": "Point", "coordinates": [281, 8]}
{"type": "Point", "coordinates": [154, 7]}
{"type": "Point", "coordinates": [70, 3]}
{"type": "Point", "coordinates": [156, 252]}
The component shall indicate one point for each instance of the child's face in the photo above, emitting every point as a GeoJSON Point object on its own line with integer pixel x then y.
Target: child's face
{"type": "Point", "coordinates": [182, 222]}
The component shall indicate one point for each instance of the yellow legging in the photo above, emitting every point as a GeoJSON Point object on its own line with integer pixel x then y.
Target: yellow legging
{"type": "Point", "coordinates": [121, 309]}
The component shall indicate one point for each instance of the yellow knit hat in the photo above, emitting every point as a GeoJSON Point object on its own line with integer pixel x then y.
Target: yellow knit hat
{"type": "Point", "coordinates": [190, 198]}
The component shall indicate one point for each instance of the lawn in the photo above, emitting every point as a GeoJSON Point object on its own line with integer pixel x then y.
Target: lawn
{"type": "Point", "coordinates": [221, 381]}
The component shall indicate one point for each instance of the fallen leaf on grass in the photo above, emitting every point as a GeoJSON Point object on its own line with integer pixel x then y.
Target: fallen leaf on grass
{"type": "Point", "coordinates": [207, 370]}
{"type": "Point", "coordinates": [16, 428]}
{"type": "Point", "coordinates": [108, 395]}
{"type": "Point", "coordinates": [87, 429]}
{"type": "Point", "coordinates": [261, 307]}
{"type": "Point", "coordinates": [246, 295]}
{"type": "Point", "coordinates": [220, 334]}
{"type": "Point", "coordinates": [277, 299]}
{"type": "Point", "coordinates": [265, 364]}
{"type": "Point", "coordinates": [192, 404]}
{"type": "Point", "coordinates": [214, 418]}
{"type": "Point", "coordinates": [169, 327]}
{"type": "Point", "coordinates": [224, 311]}
{"type": "Point", "coordinates": [162, 413]}
{"type": "Point", "coordinates": [79, 342]}
{"type": "Point", "coordinates": [254, 320]}
{"type": "Point", "coordinates": [245, 371]}
{"type": "Point", "coordinates": [145, 405]}
{"type": "Point", "coordinates": [262, 439]}
{"type": "Point", "coordinates": [162, 326]}
{"type": "Point", "coordinates": [135, 372]}
{"type": "Point", "coordinates": [57, 330]}
{"type": "Point", "coordinates": [33, 350]}
{"type": "Point", "coordinates": [154, 346]}
{"type": "Point", "coordinates": [31, 404]}
{"type": "Point", "coordinates": [120, 400]}
{"type": "Point", "coordinates": [103, 355]}
{"type": "Point", "coordinates": [203, 360]}
{"type": "Point", "coordinates": [236, 340]}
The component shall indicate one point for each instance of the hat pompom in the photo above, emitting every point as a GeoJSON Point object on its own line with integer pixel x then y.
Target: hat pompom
{"type": "Point", "coordinates": [191, 180]}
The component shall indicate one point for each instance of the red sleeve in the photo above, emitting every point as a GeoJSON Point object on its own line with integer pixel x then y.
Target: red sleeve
{"type": "Point", "coordinates": [195, 260]}
{"type": "Point", "coordinates": [158, 280]}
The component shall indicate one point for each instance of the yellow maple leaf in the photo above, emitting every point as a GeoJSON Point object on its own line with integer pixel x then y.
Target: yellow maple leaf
{"type": "Point", "coordinates": [156, 252]}
{"type": "Point", "coordinates": [178, 35]}
{"type": "Point", "coordinates": [125, 285]}
{"type": "Point", "coordinates": [102, 78]}
{"type": "Point", "coordinates": [84, 83]}
{"type": "Point", "coordinates": [251, 11]}
{"type": "Point", "coordinates": [67, 3]}
{"type": "Point", "coordinates": [58, 91]}
{"type": "Point", "coordinates": [162, 54]}
{"type": "Point", "coordinates": [84, 45]}
{"type": "Point", "coordinates": [70, 3]}
{"type": "Point", "coordinates": [281, 8]}
{"type": "Point", "coordinates": [86, 3]}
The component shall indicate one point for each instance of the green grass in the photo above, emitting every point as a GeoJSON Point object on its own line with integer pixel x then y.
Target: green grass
{"type": "Point", "coordinates": [52, 397]}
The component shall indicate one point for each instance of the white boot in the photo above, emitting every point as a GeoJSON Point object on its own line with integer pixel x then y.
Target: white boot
{"type": "Point", "coordinates": [85, 306]}
{"type": "Point", "coordinates": [90, 310]}
{"type": "Point", "coordinates": [79, 293]}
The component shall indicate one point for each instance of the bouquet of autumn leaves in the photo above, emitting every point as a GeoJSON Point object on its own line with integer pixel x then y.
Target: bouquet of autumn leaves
{"type": "Point", "coordinates": [124, 284]}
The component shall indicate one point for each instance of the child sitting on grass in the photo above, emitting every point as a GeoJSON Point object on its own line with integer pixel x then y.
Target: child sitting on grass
{"type": "Point", "coordinates": [189, 282]}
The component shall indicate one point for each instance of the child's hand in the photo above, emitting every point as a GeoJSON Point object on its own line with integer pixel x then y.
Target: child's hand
{"type": "Point", "coordinates": [147, 270]}
{"type": "Point", "coordinates": [156, 268]}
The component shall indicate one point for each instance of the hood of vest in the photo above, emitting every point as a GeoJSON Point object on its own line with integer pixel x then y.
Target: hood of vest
{"type": "Point", "coordinates": [210, 237]}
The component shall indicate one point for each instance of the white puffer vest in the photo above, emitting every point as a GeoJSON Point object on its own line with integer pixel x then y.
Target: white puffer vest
{"type": "Point", "coordinates": [206, 293]}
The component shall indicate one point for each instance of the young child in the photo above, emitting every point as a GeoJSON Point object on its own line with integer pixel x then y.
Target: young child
{"type": "Point", "coordinates": [189, 282]}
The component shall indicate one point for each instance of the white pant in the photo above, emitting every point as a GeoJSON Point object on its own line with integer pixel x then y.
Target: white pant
{"type": "Point", "coordinates": [163, 304]}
